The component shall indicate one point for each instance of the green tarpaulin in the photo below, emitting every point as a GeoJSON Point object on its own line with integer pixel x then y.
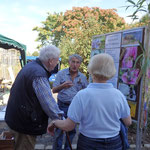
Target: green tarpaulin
{"type": "Point", "coordinates": [8, 43]}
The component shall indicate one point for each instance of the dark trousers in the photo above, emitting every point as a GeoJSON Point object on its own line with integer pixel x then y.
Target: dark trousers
{"type": "Point", "coordinates": [86, 143]}
{"type": "Point", "coordinates": [58, 138]}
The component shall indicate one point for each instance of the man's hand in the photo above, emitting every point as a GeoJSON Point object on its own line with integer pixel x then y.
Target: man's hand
{"type": "Point", "coordinates": [67, 84]}
{"type": "Point", "coordinates": [64, 85]}
{"type": "Point", "coordinates": [51, 128]}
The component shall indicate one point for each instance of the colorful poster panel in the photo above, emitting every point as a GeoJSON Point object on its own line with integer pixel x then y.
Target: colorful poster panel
{"type": "Point", "coordinates": [129, 91]}
{"type": "Point", "coordinates": [128, 76]}
{"type": "Point", "coordinates": [95, 52]}
{"type": "Point", "coordinates": [129, 57]}
{"type": "Point", "coordinates": [132, 106]}
{"type": "Point", "coordinates": [132, 38]}
{"type": "Point", "coordinates": [113, 41]}
{"type": "Point", "coordinates": [98, 42]}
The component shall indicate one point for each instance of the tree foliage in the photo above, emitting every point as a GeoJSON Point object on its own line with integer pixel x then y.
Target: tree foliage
{"type": "Point", "coordinates": [35, 53]}
{"type": "Point", "coordinates": [72, 31]}
{"type": "Point", "coordinates": [144, 21]}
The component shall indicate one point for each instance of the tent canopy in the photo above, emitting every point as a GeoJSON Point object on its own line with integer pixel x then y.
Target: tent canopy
{"type": "Point", "coordinates": [8, 43]}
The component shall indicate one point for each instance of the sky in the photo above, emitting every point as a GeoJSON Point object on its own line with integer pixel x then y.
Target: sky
{"type": "Point", "coordinates": [19, 17]}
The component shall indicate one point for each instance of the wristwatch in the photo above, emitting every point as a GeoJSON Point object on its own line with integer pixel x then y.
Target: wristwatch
{"type": "Point", "coordinates": [53, 123]}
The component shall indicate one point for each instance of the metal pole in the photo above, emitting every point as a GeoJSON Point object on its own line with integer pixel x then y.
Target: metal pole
{"type": "Point", "coordinates": [139, 129]}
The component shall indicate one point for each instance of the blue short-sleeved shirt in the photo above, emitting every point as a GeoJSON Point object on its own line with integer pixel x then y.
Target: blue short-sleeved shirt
{"type": "Point", "coordinates": [98, 109]}
{"type": "Point", "coordinates": [80, 82]}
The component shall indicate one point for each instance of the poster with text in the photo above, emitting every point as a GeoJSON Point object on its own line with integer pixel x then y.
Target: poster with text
{"type": "Point", "coordinates": [115, 53]}
{"type": "Point", "coordinates": [113, 41]}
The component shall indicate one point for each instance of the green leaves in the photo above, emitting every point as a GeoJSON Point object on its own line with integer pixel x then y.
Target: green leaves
{"type": "Point", "coordinates": [130, 1]}
{"type": "Point", "coordinates": [72, 31]}
{"type": "Point", "coordinates": [140, 6]}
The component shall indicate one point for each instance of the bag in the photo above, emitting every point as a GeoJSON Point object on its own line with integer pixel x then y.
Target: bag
{"type": "Point", "coordinates": [124, 136]}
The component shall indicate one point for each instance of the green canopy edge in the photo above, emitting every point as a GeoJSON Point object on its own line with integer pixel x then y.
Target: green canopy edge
{"type": "Point", "coordinates": [8, 43]}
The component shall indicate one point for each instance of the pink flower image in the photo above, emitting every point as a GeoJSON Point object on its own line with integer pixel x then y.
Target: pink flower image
{"type": "Point", "coordinates": [130, 76]}
{"type": "Point", "coordinates": [148, 73]}
{"type": "Point", "coordinates": [129, 57]}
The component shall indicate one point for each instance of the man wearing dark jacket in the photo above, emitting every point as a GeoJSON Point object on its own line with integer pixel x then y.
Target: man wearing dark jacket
{"type": "Point", "coordinates": [31, 102]}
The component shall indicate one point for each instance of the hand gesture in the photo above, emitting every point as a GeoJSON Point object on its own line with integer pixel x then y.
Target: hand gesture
{"type": "Point", "coordinates": [51, 129]}
{"type": "Point", "coordinates": [67, 84]}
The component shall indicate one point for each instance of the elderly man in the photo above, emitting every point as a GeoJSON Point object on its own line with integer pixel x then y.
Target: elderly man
{"type": "Point", "coordinates": [68, 82]}
{"type": "Point", "coordinates": [31, 101]}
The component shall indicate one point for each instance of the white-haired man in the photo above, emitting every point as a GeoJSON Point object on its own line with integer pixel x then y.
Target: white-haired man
{"type": "Point", "coordinates": [31, 101]}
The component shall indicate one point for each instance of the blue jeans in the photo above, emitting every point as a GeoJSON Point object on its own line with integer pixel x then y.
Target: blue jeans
{"type": "Point", "coordinates": [86, 143]}
{"type": "Point", "coordinates": [58, 138]}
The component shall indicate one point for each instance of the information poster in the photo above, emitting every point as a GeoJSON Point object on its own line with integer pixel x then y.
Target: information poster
{"type": "Point", "coordinates": [112, 47]}
{"type": "Point", "coordinates": [113, 40]}
{"type": "Point", "coordinates": [130, 67]}
{"type": "Point", "coordinates": [125, 49]}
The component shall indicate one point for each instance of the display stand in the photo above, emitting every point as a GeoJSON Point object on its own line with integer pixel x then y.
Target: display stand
{"type": "Point", "coordinates": [129, 49]}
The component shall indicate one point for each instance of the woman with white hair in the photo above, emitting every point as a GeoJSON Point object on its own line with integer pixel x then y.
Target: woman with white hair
{"type": "Point", "coordinates": [98, 109]}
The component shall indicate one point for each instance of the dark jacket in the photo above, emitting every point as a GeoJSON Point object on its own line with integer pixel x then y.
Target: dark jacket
{"type": "Point", "coordinates": [124, 136]}
{"type": "Point", "coordinates": [24, 113]}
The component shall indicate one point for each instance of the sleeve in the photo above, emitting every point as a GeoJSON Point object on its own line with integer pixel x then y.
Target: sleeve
{"type": "Point", "coordinates": [75, 109]}
{"type": "Point", "coordinates": [43, 92]}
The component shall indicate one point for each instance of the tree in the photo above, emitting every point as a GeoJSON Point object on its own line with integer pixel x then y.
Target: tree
{"type": "Point", "coordinates": [72, 31]}
{"type": "Point", "coordinates": [47, 33]}
{"type": "Point", "coordinates": [35, 53]}
{"type": "Point", "coordinates": [143, 21]}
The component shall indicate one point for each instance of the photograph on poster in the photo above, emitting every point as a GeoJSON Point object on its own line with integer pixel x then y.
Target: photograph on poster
{"type": "Point", "coordinates": [129, 91]}
{"type": "Point", "coordinates": [95, 52]}
{"type": "Point", "coordinates": [132, 106]}
{"type": "Point", "coordinates": [98, 43]}
{"type": "Point", "coordinates": [129, 57]}
{"type": "Point", "coordinates": [128, 76]}
{"type": "Point", "coordinates": [132, 37]}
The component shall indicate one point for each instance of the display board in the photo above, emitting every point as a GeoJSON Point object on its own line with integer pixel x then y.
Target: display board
{"type": "Point", "coordinates": [124, 47]}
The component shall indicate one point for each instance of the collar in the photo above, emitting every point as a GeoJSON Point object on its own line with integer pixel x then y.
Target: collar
{"type": "Point", "coordinates": [100, 85]}
{"type": "Point", "coordinates": [68, 72]}
{"type": "Point", "coordinates": [45, 68]}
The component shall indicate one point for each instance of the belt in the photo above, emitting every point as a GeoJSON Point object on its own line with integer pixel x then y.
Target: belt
{"type": "Point", "coordinates": [101, 139]}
